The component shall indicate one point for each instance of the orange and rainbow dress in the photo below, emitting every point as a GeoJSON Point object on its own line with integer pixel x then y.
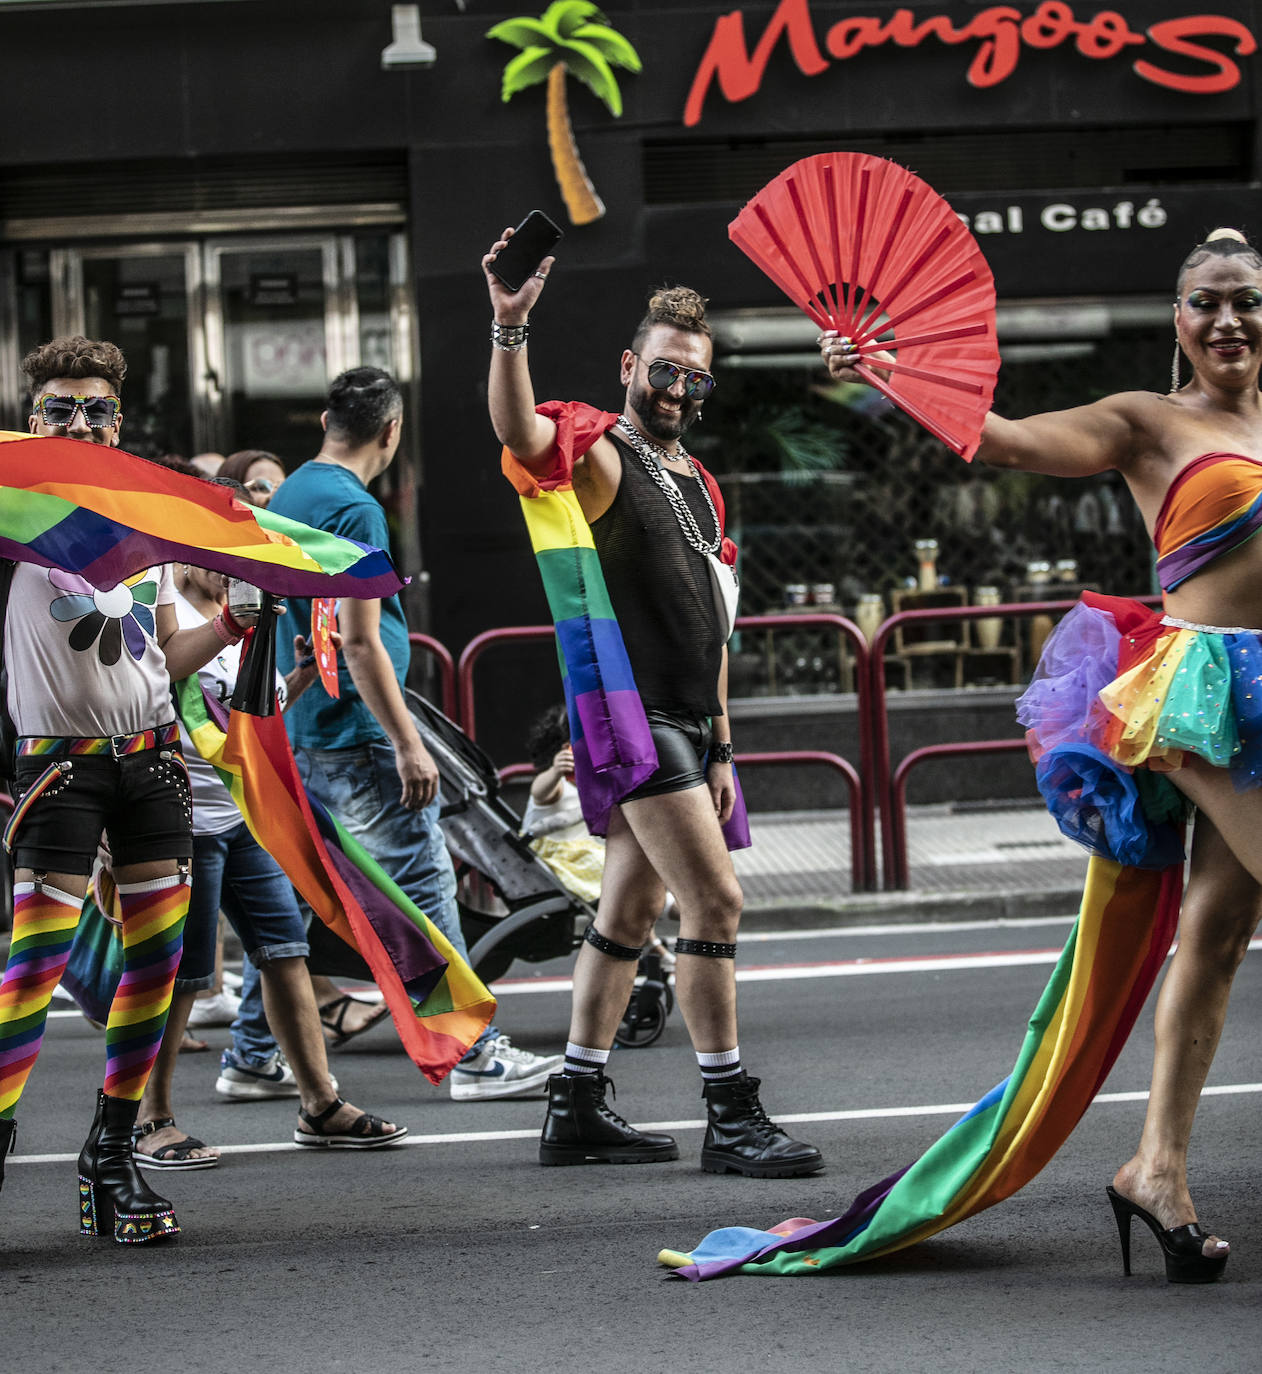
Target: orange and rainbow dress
{"type": "Point", "coordinates": [1123, 691]}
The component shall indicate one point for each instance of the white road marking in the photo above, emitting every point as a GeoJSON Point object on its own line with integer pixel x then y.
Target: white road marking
{"type": "Point", "coordinates": [692, 1124]}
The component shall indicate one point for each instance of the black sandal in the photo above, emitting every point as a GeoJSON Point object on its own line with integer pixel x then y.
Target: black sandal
{"type": "Point", "coordinates": [366, 1132]}
{"type": "Point", "coordinates": [333, 1018]}
{"type": "Point", "coordinates": [177, 1155]}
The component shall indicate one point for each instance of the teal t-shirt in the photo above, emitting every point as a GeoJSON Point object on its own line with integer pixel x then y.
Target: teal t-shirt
{"type": "Point", "coordinates": [330, 497]}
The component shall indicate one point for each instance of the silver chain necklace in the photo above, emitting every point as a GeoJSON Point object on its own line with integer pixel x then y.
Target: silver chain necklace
{"type": "Point", "coordinates": [683, 513]}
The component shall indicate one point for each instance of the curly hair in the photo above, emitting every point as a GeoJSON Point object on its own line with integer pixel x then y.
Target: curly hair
{"type": "Point", "coordinates": [547, 735]}
{"type": "Point", "coordinates": [678, 307]}
{"type": "Point", "coordinates": [1220, 243]}
{"type": "Point", "coordinates": [75, 357]}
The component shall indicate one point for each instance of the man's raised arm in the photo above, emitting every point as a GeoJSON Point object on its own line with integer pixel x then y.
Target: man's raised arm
{"type": "Point", "coordinates": [510, 392]}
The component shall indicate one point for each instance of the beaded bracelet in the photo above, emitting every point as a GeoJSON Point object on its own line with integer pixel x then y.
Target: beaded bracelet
{"type": "Point", "coordinates": [509, 338]}
{"type": "Point", "coordinates": [220, 624]}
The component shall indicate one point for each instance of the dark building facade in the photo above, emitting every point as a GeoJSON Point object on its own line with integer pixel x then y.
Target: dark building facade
{"type": "Point", "coordinates": [246, 198]}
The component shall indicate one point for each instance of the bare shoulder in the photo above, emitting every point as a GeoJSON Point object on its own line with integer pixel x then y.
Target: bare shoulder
{"type": "Point", "coordinates": [596, 477]}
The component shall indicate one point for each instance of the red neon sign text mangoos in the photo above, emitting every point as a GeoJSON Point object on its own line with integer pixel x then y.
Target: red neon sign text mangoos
{"type": "Point", "coordinates": [997, 34]}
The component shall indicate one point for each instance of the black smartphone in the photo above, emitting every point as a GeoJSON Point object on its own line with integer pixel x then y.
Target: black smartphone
{"type": "Point", "coordinates": [533, 239]}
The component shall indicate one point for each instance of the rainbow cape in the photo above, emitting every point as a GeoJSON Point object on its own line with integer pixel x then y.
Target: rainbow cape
{"type": "Point", "coordinates": [106, 514]}
{"type": "Point", "coordinates": [438, 1003]}
{"type": "Point", "coordinates": [613, 749]}
{"type": "Point", "coordinates": [1106, 970]}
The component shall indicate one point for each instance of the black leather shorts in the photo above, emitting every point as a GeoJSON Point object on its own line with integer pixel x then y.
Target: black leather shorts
{"type": "Point", "coordinates": [682, 743]}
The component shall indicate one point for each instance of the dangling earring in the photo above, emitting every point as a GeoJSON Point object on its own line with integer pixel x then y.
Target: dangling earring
{"type": "Point", "coordinates": [1175, 381]}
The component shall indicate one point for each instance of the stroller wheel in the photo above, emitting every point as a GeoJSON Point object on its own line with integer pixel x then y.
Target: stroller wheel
{"type": "Point", "coordinates": [645, 1019]}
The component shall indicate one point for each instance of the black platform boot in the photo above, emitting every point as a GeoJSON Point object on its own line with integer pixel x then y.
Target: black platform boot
{"type": "Point", "coordinates": [111, 1190]}
{"type": "Point", "coordinates": [580, 1126]}
{"type": "Point", "coordinates": [743, 1139]}
{"type": "Point", "coordinates": [8, 1139]}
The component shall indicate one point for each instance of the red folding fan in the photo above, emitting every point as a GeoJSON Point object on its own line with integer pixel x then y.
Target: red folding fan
{"type": "Point", "coordinates": [866, 248]}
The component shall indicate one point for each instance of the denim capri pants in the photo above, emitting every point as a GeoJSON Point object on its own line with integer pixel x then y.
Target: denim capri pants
{"type": "Point", "coordinates": [233, 873]}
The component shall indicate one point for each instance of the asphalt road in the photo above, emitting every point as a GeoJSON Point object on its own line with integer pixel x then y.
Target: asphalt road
{"type": "Point", "coordinates": [458, 1252]}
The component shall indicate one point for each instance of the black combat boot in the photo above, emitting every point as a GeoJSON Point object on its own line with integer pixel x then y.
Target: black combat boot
{"type": "Point", "coordinates": [8, 1138]}
{"type": "Point", "coordinates": [743, 1139]}
{"type": "Point", "coordinates": [111, 1190]}
{"type": "Point", "coordinates": [580, 1126]}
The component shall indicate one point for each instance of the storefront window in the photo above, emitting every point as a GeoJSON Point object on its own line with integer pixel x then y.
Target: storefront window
{"type": "Point", "coordinates": [830, 487]}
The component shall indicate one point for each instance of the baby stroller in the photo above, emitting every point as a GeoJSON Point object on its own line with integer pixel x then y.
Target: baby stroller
{"type": "Point", "coordinates": [535, 917]}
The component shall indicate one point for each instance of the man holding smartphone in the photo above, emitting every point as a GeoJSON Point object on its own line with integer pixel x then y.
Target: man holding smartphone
{"type": "Point", "coordinates": [655, 522]}
{"type": "Point", "coordinates": [360, 753]}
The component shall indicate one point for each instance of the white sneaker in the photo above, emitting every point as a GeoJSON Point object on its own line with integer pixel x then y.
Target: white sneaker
{"type": "Point", "coordinates": [242, 1082]}
{"type": "Point", "coordinates": [502, 1070]}
{"type": "Point", "coordinates": [219, 1010]}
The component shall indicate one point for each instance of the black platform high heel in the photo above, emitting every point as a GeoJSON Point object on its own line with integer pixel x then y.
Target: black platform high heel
{"type": "Point", "coordinates": [1180, 1245]}
{"type": "Point", "coordinates": [111, 1190]}
{"type": "Point", "coordinates": [8, 1139]}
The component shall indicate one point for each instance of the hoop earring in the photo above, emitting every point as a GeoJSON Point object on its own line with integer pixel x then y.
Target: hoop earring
{"type": "Point", "coordinates": [1175, 381]}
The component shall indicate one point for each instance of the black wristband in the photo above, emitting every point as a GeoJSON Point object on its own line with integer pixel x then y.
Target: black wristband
{"type": "Point", "coordinates": [721, 751]}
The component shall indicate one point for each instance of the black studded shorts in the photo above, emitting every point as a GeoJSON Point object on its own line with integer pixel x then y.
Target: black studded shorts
{"type": "Point", "coordinates": [142, 802]}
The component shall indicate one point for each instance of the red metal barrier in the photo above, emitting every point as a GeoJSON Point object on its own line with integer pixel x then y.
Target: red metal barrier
{"type": "Point", "coordinates": [854, 787]}
{"type": "Point", "coordinates": [446, 669]}
{"type": "Point", "coordinates": [891, 791]}
{"type": "Point", "coordinates": [896, 822]}
{"type": "Point", "coordinates": [863, 802]}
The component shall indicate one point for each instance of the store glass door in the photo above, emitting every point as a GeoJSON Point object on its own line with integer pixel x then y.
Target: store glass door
{"type": "Point", "coordinates": [144, 298]}
{"type": "Point", "coordinates": [276, 330]}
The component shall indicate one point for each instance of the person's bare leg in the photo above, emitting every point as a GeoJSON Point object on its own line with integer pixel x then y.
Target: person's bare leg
{"type": "Point", "coordinates": [290, 1004]}
{"type": "Point", "coordinates": [631, 895]}
{"type": "Point", "coordinates": [1221, 909]}
{"type": "Point", "coordinates": [158, 1098]}
{"type": "Point", "coordinates": [681, 839]}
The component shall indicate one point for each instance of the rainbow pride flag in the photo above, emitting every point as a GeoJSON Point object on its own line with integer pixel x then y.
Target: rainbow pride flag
{"type": "Point", "coordinates": [1108, 966]}
{"type": "Point", "coordinates": [106, 514]}
{"type": "Point", "coordinates": [439, 1005]}
{"type": "Point", "coordinates": [613, 748]}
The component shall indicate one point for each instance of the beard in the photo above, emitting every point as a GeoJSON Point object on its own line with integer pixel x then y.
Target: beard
{"type": "Point", "coordinates": [663, 428]}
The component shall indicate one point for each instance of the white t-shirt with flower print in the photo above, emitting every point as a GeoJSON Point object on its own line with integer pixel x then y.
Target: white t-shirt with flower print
{"type": "Point", "coordinates": [85, 662]}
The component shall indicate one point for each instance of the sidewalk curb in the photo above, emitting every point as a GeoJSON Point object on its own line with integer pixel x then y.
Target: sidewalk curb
{"type": "Point", "coordinates": [863, 908]}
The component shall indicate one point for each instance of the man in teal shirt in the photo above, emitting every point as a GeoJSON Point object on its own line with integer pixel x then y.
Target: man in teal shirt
{"type": "Point", "coordinates": [360, 753]}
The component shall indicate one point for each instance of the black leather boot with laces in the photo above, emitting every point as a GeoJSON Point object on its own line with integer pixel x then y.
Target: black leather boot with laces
{"type": "Point", "coordinates": [581, 1126]}
{"type": "Point", "coordinates": [741, 1138]}
{"type": "Point", "coordinates": [112, 1194]}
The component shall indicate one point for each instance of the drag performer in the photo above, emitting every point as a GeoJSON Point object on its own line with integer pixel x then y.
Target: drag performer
{"type": "Point", "coordinates": [1130, 704]}
{"type": "Point", "coordinates": [628, 532]}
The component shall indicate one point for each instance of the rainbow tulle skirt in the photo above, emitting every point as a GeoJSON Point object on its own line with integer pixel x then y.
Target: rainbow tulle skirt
{"type": "Point", "coordinates": [1121, 692]}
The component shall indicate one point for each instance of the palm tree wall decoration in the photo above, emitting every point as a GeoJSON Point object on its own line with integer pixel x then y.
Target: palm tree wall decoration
{"type": "Point", "coordinates": [570, 38]}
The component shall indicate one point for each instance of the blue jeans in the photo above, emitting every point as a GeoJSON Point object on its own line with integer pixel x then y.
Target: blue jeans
{"type": "Point", "coordinates": [361, 787]}
{"type": "Point", "coordinates": [253, 1043]}
{"type": "Point", "coordinates": [232, 872]}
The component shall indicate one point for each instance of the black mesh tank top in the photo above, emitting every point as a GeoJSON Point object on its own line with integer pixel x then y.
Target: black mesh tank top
{"type": "Point", "coordinates": [660, 589]}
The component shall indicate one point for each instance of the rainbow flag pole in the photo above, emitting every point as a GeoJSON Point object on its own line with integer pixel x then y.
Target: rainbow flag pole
{"type": "Point", "coordinates": [439, 1005]}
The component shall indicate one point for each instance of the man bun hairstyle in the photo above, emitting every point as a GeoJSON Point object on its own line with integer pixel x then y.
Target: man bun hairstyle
{"type": "Point", "coordinates": [76, 357]}
{"type": "Point", "coordinates": [361, 403]}
{"type": "Point", "coordinates": [1218, 243]}
{"type": "Point", "coordinates": [678, 307]}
